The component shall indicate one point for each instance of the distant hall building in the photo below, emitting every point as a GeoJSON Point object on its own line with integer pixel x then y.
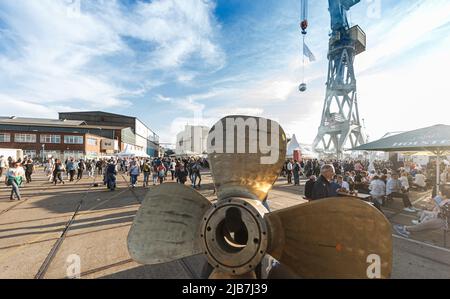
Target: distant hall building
{"type": "Point", "coordinates": [134, 134]}
{"type": "Point", "coordinates": [192, 141]}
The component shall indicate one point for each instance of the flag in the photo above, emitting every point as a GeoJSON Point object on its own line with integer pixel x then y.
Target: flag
{"type": "Point", "coordinates": [307, 52]}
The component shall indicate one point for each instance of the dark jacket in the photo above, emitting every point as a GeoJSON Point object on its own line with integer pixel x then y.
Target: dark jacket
{"type": "Point", "coordinates": [309, 188]}
{"type": "Point", "coordinates": [321, 188]}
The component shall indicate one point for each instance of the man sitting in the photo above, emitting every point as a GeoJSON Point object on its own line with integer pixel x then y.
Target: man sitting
{"type": "Point", "coordinates": [377, 190]}
{"type": "Point", "coordinates": [343, 184]}
{"type": "Point", "coordinates": [429, 220]}
{"type": "Point", "coordinates": [394, 189]}
{"type": "Point", "coordinates": [322, 187]}
{"type": "Point", "coordinates": [420, 181]}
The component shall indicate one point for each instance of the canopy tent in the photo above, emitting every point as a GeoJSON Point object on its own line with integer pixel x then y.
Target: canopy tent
{"type": "Point", "coordinates": [292, 146]}
{"type": "Point", "coordinates": [434, 140]}
{"type": "Point", "coordinates": [132, 153]}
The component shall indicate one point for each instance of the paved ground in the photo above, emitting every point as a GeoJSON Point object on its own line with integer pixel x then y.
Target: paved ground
{"type": "Point", "coordinates": [31, 229]}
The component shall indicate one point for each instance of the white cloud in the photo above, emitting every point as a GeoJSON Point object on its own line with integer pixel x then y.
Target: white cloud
{"type": "Point", "coordinates": [415, 26]}
{"type": "Point", "coordinates": [53, 57]}
{"type": "Point", "coordinates": [411, 95]}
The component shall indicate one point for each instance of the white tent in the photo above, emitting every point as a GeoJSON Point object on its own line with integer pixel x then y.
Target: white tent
{"type": "Point", "coordinates": [132, 153]}
{"type": "Point", "coordinates": [308, 154]}
{"type": "Point", "coordinates": [292, 146]}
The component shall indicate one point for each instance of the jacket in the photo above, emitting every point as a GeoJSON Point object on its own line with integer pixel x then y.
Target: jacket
{"type": "Point", "coordinates": [321, 188]}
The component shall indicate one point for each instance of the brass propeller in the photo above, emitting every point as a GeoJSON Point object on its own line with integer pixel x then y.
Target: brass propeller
{"type": "Point", "coordinates": [329, 238]}
{"type": "Point", "coordinates": [166, 225]}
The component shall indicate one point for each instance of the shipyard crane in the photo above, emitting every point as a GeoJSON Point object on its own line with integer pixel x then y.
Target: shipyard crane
{"type": "Point", "coordinates": [340, 124]}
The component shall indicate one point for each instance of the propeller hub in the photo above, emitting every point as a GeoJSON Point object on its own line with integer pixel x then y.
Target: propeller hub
{"type": "Point", "coordinates": [235, 235]}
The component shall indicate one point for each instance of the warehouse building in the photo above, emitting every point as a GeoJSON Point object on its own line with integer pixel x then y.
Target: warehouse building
{"type": "Point", "coordinates": [63, 138]}
{"type": "Point", "coordinates": [135, 135]}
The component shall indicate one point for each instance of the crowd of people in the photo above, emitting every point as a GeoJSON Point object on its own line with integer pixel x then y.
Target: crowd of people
{"type": "Point", "coordinates": [382, 181]}
{"type": "Point", "coordinates": [139, 170]}
{"type": "Point", "coordinates": [368, 177]}
{"type": "Point", "coordinates": [156, 169]}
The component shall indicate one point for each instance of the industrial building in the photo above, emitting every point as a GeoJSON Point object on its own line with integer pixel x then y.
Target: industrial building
{"type": "Point", "coordinates": [134, 134]}
{"type": "Point", "coordinates": [101, 134]}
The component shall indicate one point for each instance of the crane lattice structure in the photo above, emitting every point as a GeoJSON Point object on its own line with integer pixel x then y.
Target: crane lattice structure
{"type": "Point", "coordinates": [340, 125]}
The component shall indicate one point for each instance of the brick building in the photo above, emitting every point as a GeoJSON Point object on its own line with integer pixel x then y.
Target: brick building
{"type": "Point", "coordinates": [63, 138]}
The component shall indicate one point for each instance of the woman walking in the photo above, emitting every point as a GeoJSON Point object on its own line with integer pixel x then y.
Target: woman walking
{"type": "Point", "coordinates": [14, 178]}
{"type": "Point", "coordinates": [161, 173]}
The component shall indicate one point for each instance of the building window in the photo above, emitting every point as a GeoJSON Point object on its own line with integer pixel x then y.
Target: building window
{"type": "Point", "coordinates": [92, 141]}
{"type": "Point", "coordinates": [50, 138]}
{"type": "Point", "coordinates": [25, 138]}
{"type": "Point", "coordinates": [5, 137]}
{"type": "Point", "coordinates": [76, 155]}
{"type": "Point", "coordinates": [73, 139]}
{"type": "Point", "coordinates": [30, 154]}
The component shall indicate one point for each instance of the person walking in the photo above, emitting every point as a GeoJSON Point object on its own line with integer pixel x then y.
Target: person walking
{"type": "Point", "coordinates": [181, 174]}
{"type": "Point", "coordinates": [172, 169]}
{"type": "Point", "coordinates": [134, 173]}
{"type": "Point", "coordinates": [48, 168]}
{"type": "Point", "coordinates": [99, 167]}
{"type": "Point", "coordinates": [14, 178]}
{"type": "Point", "coordinates": [71, 169]}
{"type": "Point", "coordinates": [58, 169]}
{"type": "Point", "coordinates": [296, 171]}
{"type": "Point", "coordinates": [146, 169]}
{"type": "Point", "coordinates": [289, 168]}
{"type": "Point", "coordinates": [196, 174]}
{"type": "Point", "coordinates": [29, 169]}
{"type": "Point", "coordinates": [161, 173]}
{"type": "Point", "coordinates": [89, 168]}
{"type": "Point", "coordinates": [81, 168]}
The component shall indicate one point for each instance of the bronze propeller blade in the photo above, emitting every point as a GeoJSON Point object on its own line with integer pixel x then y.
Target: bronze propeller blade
{"type": "Point", "coordinates": [331, 238]}
{"type": "Point", "coordinates": [166, 227]}
{"type": "Point", "coordinates": [246, 155]}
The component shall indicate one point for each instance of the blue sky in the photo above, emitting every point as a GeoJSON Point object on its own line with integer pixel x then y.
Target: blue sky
{"type": "Point", "coordinates": [174, 62]}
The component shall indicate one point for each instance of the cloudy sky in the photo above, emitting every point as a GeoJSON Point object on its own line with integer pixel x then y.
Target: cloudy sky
{"type": "Point", "coordinates": [173, 62]}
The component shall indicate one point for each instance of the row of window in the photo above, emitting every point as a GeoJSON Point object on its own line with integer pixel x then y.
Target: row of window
{"type": "Point", "coordinates": [31, 138]}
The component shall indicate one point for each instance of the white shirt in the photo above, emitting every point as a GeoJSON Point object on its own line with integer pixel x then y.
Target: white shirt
{"type": "Point", "coordinates": [420, 180]}
{"type": "Point", "coordinates": [345, 185]}
{"type": "Point", "coordinates": [377, 188]}
{"type": "Point", "coordinates": [404, 181]}
{"type": "Point", "coordinates": [289, 166]}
